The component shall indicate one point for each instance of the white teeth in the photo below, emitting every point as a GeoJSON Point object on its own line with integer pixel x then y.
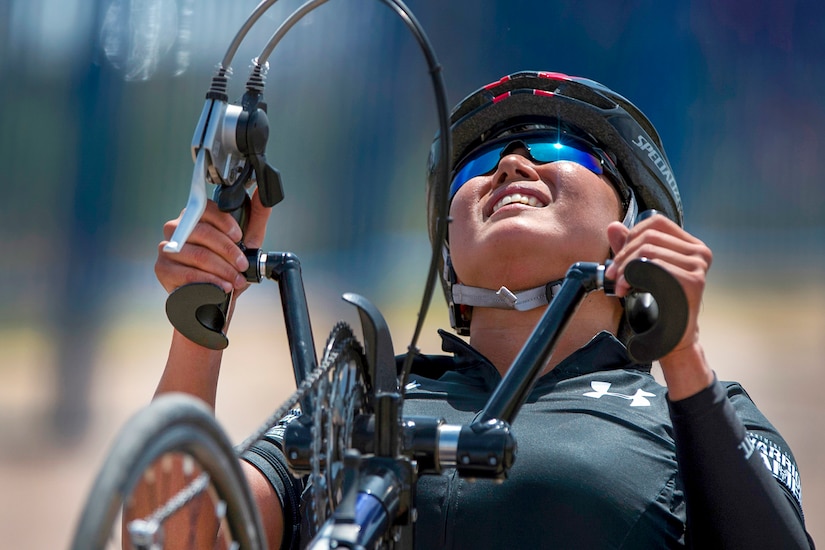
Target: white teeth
{"type": "Point", "coordinates": [519, 198]}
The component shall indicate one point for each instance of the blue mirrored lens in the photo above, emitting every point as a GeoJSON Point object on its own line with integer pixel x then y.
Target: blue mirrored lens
{"type": "Point", "coordinates": [483, 162]}
{"type": "Point", "coordinates": [542, 150]}
{"type": "Point", "coordinates": [552, 152]}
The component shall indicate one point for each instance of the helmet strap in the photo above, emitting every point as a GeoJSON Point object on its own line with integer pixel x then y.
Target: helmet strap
{"type": "Point", "coordinates": [504, 298]}
{"type": "Point", "coordinates": [632, 211]}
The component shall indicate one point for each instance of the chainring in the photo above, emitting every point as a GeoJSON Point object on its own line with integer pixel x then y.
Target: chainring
{"type": "Point", "coordinates": [339, 396]}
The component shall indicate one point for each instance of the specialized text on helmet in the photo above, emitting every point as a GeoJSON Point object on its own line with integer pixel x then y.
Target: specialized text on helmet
{"type": "Point", "coordinates": [657, 159]}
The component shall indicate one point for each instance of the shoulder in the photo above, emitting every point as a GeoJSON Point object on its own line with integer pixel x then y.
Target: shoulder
{"type": "Point", "coordinates": [459, 358]}
{"type": "Point", "coordinates": [430, 366]}
{"type": "Point", "coordinates": [746, 408]}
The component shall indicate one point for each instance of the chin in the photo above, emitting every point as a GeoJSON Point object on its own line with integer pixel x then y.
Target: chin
{"type": "Point", "coordinates": [514, 268]}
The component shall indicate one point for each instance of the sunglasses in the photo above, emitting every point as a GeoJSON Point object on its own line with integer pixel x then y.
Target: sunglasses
{"type": "Point", "coordinates": [540, 149]}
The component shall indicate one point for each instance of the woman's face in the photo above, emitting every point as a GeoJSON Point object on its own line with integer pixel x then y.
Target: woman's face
{"type": "Point", "coordinates": [525, 224]}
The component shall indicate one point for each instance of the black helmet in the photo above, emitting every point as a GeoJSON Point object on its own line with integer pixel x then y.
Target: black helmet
{"type": "Point", "coordinates": [579, 106]}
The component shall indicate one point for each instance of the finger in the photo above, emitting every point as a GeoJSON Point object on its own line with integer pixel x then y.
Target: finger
{"type": "Point", "coordinates": [617, 234]}
{"type": "Point", "coordinates": [208, 250]}
{"type": "Point", "coordinates": [651, 245]}
{"type": "Point", "coordinates": [687, 268]}
{"type": "Point", "coordinates": [213, 252]}
{"type": "Point", "coordinates": [212, 215]}
{"type": "Point", "coordinates": [170, 226]}
{"type": "Point", "coordinates": [662, 224]}
{"type": "Point", "coordinates": [656, 233]}
{"type": "Point", "coordinates": [669, 251]}
{"type": "Point", "coordinates": [256, 226]}
{"type": "Point", "coordinates": [208, 236]}
{"type": "Point", "coordinates": [196, 264]}
{"type": "Point", "coordinates": [222, 221]}
{"type": "Point", "coordinates": [174, 276]}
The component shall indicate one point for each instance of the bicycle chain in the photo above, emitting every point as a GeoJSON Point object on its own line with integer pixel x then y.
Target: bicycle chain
{"type": "Point", "coordinates": [199, 484]}
{"type": "Point", "coordinates": [336, 399]}
{"type": "Point", "coordinates": [320, 443]}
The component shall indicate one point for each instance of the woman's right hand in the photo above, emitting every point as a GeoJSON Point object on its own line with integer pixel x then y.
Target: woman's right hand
{"type": "Point", "coordinates": [211, 254]}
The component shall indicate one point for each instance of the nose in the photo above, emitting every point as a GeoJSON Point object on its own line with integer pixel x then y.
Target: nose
{"type": "Point", "coordinates": [517, 147]}
{"type": "Point", "coordinates": [515, 163]}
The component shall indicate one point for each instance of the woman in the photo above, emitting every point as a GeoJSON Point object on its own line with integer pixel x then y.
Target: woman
{"type": "Point", "coordinates": [549, 170]}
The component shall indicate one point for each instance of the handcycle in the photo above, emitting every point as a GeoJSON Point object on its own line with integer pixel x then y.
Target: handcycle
{"type": "Point", "coordinates": [360, 454]}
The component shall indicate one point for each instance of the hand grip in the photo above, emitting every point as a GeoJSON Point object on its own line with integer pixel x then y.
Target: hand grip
{"type": "Point", "coordinates": [198, 311]}
{"type": "Point", "coordinates": [658, 319]}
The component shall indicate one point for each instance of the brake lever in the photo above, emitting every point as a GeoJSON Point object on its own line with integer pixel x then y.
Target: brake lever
{"type": "Point", "coordinates": [195, 206]}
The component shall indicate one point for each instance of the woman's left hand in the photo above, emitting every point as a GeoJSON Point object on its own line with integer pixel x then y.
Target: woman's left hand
{"type": "Point", "coordinates": [688, 259]}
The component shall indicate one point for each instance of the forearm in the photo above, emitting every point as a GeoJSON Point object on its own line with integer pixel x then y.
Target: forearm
{"type": "Point", "coordinates": [191, 369]}
{"type": "Point", "coordinates": [732, 499]}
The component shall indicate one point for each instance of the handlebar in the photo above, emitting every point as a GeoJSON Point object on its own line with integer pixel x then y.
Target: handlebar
{"type": "Point", "coordinates": [486, 447]}
{"type": "Point", "coordinates": [657, 311]}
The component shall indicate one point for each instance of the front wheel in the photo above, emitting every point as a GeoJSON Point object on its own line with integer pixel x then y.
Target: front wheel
{"type": "Point", "coordinates": [171, 480]}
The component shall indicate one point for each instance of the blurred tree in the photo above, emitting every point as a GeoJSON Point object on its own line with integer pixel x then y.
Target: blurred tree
{"type": "Point", "coordinates": [95, 93]}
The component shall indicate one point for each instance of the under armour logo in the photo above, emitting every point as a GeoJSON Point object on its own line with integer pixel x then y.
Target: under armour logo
{"type": "Point", "coordinates": [639, 399]}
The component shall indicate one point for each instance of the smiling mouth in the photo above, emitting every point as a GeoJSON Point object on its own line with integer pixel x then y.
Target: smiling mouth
{"type": "Point", "coordinates": [518, 198]}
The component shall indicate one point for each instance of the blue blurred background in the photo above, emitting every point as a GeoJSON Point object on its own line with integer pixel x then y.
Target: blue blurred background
{"type": "Point", "coordinates": [100, 98]}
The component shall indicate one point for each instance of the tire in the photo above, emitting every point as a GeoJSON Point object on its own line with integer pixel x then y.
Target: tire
{"type": "Point", "coordinates": [179, 424]}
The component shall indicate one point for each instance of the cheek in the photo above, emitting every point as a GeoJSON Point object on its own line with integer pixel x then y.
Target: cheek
{"type": "Point", "coordinates": [601, 198]}
{"type": "Point", "coordinates": [611, 204]}
{"type": "Point", "coordinates": [590, 204]}
{"type": "Point", "coordinates": [463, 211]}
{"type": "Point", "coordinates": [460, 234]}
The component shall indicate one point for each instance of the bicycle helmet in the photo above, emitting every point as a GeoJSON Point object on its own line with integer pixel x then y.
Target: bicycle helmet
{"type": "Point", "coordinates": [579, 107]}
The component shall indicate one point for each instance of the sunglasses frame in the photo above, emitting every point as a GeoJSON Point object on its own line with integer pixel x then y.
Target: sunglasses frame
{"type": "Point", "coordinates": [499, 146]}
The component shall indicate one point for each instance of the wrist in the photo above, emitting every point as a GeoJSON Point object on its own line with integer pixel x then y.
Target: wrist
{"type": "Point", "coordinates": [686, 372]}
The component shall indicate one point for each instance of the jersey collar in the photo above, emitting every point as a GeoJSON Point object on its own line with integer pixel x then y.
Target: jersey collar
{"type": "Point", "coordinates": [602, 352]}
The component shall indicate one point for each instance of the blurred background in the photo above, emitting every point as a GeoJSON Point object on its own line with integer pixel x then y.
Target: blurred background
{"type": "Point", "coordinates": [99, 102]}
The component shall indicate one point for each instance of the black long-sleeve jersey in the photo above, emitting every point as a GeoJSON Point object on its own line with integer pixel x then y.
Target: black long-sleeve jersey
{"type": "Point", "coordinates": [604, 460]}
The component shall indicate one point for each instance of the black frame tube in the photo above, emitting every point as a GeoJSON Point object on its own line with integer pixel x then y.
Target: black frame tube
{"type": "Point", "coordinates": [514, 388]}
{"type": "Point", "coordinates": [285, 269]}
